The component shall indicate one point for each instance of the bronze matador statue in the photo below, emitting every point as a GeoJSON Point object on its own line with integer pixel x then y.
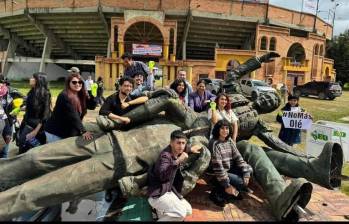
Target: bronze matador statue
{"type": "Point", "coordinates": [72, 168]}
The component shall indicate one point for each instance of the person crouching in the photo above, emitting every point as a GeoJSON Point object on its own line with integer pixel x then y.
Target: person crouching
{"type": "Point", "coordinates": [231, 172]}
{"type": "Point", "coordinates": [165, 180]}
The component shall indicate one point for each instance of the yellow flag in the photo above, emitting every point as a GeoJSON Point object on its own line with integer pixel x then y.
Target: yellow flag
{"type": "Point", "coordinates": [94, 88]}
{"type": "Point", "coordinates": [151, 65]}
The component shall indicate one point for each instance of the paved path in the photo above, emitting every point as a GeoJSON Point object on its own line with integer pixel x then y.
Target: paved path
{"type": "Point", "coordinates": [325, 205]}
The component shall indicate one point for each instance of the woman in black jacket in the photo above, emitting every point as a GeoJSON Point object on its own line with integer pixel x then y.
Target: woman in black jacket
{"type": "Point", "coordinates": [37, 111]}
{"type": "Point", "coordinates": [70, 109]}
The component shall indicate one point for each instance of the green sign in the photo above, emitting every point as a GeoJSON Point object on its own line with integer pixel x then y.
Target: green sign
{"type": "Point", "coordinates": [319, 136]}
{"type": "Point", "coordinates": [341, 134]}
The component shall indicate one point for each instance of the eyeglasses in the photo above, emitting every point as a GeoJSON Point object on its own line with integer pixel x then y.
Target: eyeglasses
{"type": "Point", "coordinates": [76, 82]}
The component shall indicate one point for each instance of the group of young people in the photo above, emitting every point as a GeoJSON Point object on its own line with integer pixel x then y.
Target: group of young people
{"type": "Point", "coordinates": [41, 124]}
{"type": "Point", "coordinates": [231, 174]}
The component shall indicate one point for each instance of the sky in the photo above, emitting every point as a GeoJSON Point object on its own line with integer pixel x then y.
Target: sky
{"type": "Point", "coordinates": [341, 22]}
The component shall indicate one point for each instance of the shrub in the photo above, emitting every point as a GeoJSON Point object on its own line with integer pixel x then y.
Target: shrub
{"type": "Point", "coordinates": [346, 86]}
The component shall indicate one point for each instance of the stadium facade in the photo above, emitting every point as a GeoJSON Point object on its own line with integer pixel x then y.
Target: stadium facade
{"type": "Point", "coordinates": [204, 37]}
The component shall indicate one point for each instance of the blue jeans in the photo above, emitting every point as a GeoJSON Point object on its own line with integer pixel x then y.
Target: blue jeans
{"type": "Point", "coordinates": [51, 138]}
{"type": "Point", "coordinates": [235, 179]}
{"type": "Point", "coordinates": [4, 152]}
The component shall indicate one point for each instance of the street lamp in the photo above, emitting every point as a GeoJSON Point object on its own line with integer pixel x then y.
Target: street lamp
{"type": "Point", "coordinates": [334, 13]}
{"type": "Point", "coordinates": [317, 8]}
{"type": "Point", "coordinates": [334, 16]}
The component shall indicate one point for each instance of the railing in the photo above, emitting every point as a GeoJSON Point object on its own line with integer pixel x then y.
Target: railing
{"type": "Point", "coordinates": [291, 65]}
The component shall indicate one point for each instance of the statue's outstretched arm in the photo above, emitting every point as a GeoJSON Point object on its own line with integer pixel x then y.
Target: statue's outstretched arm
{"type": "Point", "coordinates": [250, 65]}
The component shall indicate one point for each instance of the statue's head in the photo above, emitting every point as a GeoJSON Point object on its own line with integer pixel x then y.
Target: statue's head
{"type": "Point", "coordinates": [230, 87]}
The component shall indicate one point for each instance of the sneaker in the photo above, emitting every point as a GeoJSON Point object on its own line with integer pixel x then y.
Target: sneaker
{"type": "Point", "coordinates": [154, 214]}
{"type": "Point", "coordinates": [232, 198]}
{"type": "Point", "coordinates": [247, 190]}
{"type": "Point", "coordinates": [217, 199]}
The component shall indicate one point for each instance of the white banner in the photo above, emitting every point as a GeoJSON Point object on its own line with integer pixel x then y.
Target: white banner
{"type": "Point", "coordinates": [146, 49]}
{"type": "Point", "coordinates": [309, 6]}
{"type": "Point", "coordinates": [324, 131]}
{"type": "Point", "coordinates": [296, 120]}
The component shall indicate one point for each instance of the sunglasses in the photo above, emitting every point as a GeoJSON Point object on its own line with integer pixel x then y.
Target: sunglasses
{"type": "Point", "coordinates": [76, 82]}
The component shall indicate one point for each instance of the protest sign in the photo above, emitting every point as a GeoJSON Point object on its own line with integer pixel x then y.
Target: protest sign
{"type": "Point", "coordinates": [296, 120]}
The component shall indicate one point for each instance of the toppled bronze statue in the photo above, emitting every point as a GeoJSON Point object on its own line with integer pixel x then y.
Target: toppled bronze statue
{"type": "Point", "coordinates": [72, 168]}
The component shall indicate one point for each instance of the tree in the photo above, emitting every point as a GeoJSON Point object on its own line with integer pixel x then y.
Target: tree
{"type": "Point", "coordinates": [338, 50]}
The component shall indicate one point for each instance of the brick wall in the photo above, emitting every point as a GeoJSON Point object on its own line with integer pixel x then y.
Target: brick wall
{"type": "Point", "coordinates": [226, 7]}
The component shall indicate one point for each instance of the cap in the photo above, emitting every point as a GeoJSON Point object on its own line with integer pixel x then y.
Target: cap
{"type": "Point", "coordinates": [74, 70]}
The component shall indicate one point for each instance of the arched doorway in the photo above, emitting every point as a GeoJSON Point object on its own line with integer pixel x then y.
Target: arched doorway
{"type": "Point", "coordinates": [144, 40]}
{"type": "Point", "coordinates": [296, 52]}
{"type": "Point", "coordinates": [327, 76]}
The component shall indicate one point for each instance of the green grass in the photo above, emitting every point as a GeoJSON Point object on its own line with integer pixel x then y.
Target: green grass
{"type": "Point", "coordinates": [54, 86]}
{"type": "Point", "coordinates": [330, 110]}
{"type": "Point", "coordinates": [23, 87]}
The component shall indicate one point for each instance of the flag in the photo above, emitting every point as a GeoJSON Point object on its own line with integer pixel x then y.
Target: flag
{"type": "Point", "coordinates": [309, 6]}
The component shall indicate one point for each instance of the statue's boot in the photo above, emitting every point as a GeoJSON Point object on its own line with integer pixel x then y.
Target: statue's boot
{"type": "Point", "coordinates": [324, 170]}
{"type": "Point", "coordinates": [175, 111]}
{"type": "Point", "coordinates": [282, 198]}
{"type": "Point", "coordinates": [191, 171]}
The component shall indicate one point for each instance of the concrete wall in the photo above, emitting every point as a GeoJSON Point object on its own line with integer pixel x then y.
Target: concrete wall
{"type": "Point", "coordinates": [24, 70]}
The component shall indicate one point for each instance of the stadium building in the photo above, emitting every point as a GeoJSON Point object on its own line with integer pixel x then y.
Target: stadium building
{"type": "Point", "coordinates": [204, 37]}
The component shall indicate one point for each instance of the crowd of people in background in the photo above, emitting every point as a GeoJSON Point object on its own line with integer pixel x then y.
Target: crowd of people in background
{"type": "Point", "coordinates": [42, 124]}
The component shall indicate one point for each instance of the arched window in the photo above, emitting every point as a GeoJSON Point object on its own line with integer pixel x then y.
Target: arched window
{"type": "Point", "coordinates": [316, 49]}
{"type": "Point", "coordinates": [321, 50]}
{"type": "Point", "coordinates": [272, 44]}
{"type": "Point", "coordinates": [263, 45]}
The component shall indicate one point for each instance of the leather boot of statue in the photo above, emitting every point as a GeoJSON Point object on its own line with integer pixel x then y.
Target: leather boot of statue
{"type": "Point", "coordinates": [324, 170]}
{"type": "Point", "coordinates": [282, 197]}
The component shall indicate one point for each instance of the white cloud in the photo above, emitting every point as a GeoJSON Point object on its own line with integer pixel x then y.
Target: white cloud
{"type": "Point", "coordinates": [342, 16]}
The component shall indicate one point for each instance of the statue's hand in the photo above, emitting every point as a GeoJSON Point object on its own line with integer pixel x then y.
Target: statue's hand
{"type": "Point", "coordinates": [163, 92]}
{"type": "Point", "coordinates": [268, 57]}
{"type": "Point", "coordinates": [267, 102]}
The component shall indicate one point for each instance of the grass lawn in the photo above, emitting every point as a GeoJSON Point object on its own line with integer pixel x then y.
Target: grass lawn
{"type": "Point", "coordinates": [330, 110]}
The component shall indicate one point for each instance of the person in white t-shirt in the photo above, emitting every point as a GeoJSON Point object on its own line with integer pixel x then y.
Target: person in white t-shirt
{"type": "Point", "coordinates": [221, 109]}
{"type": "Point", "coordinates": [88, 83]}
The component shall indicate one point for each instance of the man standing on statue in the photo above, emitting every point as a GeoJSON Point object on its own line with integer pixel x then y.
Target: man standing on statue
{"type": "Point", "coordinates": [133, 68]}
